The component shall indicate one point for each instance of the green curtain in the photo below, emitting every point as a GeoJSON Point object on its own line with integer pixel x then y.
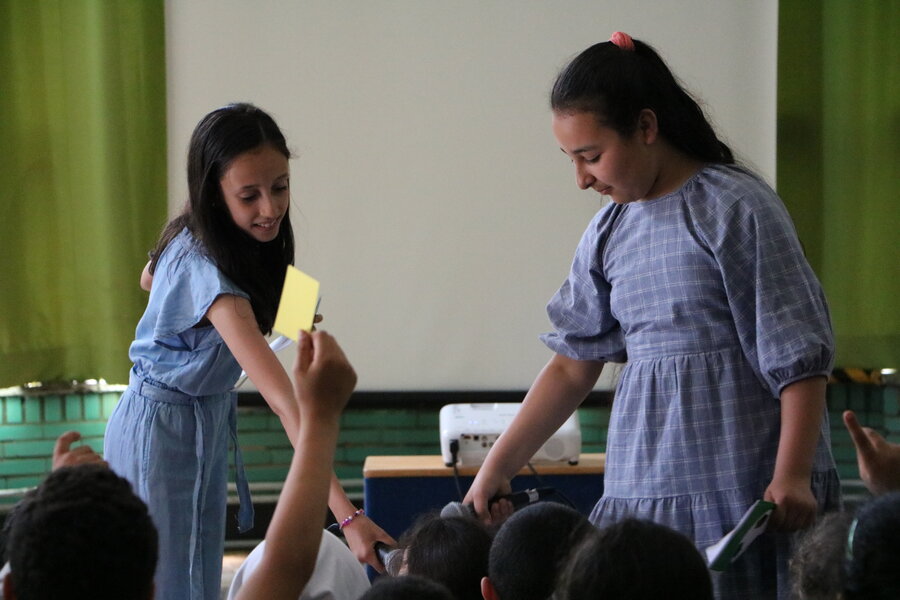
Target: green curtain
{"type": "Point", "coordinates": [838, 162]}
{"type": "Point", "coordinates": [82, 182]}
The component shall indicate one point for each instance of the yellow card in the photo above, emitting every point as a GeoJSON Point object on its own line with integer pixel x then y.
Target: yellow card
{"type": "Point", "coordinates": [299, 299]}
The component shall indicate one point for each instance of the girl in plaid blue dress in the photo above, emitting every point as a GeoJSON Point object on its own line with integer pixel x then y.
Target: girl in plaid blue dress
{"type": "Point", "coordinates": [693, 275]}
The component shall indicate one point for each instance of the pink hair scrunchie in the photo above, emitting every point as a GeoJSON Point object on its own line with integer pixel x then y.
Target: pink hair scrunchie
{"type": "Point", "coordinates": [622, 40]}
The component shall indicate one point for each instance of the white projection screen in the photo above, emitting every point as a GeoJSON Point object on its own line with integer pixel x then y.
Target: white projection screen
{"type": "Point", "coordinates": [429, 196]}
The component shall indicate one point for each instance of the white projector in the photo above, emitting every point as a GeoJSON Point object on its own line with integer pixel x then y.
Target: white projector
{"type": "Point", "coordinates": [475, 427]}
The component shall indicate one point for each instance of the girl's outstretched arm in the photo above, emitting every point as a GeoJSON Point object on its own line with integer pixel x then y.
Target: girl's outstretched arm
{"type": "Point", "coordinates": [233, 318]}
{"type": "Point", "coordinates": [560, 387]}
{"type": "Point", "coordinates": [324, 380]}
{"type": "Point", "coordinates": [802, 405]}
{"type": "Point", "coordinates": [362, 532]}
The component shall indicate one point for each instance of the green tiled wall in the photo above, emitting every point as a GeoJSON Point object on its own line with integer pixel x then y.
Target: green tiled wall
{"type": "Point", "coordinates": [29, 427]}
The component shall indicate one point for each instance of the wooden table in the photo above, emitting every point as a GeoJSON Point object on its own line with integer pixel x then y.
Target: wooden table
{"type": "Point", "coordinates": [397, 489]}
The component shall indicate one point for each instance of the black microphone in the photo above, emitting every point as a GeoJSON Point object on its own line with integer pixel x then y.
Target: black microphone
{"type": "Point", "coordinates": [518, 499]}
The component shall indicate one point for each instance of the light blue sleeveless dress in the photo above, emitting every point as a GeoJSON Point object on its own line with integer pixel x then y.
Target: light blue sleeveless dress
{"type": "Point", "coordinates": [707, 295]}
{"type": "Point", "coordinates": [170, 431]}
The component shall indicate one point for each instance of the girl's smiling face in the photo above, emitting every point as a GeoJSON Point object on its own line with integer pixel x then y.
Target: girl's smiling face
{"type": "Point", "coordinates": [623, 168]}
{"type": "Point", "coordinates": [256, 189]}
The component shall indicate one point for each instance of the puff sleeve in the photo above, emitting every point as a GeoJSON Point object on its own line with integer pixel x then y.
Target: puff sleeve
{"type": "Point", "coordinates": [584, 326]}
{"type": "Point", "coordinates": [778, 305]}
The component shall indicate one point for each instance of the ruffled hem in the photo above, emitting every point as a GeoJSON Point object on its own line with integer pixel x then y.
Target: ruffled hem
{"type": "Point", "coordinates": [706, 517]}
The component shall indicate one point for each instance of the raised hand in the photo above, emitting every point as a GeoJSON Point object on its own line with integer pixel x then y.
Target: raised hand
{"type": "Point", "coordinates": [323, 377]}
{"type": "Point", "coordinates": [66, 456]}
{"type": "Point", "coordinates": [878, 459]}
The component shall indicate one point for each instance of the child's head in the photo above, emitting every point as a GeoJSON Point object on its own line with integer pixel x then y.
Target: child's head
{"type": "Point", "coordinates": [635, 560]}
{"type": "Point", "coordinates": [529, 549]}
{"type": "Point", "coordinates": [406, 587]}
{"type": "Point", "coordinates": [817, 563]}
{"type": "Point", "coordinates": [873, 550]}
{"type": "Point", "coordinates": [450, 550]}
{"type": "Point", "coordinates": [228, 134]}
{"type": "Point", "coordinates": [239, 203]}
{"type": "Point", "coordinates": [82, 533]}
{"type": "Point", "coordinates": [615, 81]}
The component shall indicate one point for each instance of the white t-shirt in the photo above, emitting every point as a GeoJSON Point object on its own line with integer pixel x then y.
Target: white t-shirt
{"type": "Point", "coordinates": [337, 576]}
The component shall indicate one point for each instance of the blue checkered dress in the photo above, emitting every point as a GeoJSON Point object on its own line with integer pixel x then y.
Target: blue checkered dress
{"type": "Point", "coordinates": [706, 294]}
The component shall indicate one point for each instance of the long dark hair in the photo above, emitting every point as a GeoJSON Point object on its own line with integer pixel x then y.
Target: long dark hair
{"type": "Point", "coordinates": [616, 84]}
{"type": "Point", "coordinates": [255, 267]}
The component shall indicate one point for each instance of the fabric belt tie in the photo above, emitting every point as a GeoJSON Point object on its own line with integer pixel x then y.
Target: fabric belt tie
{"type": "Point", "coordinates": [153, 390]}
{"type": "Point", "coordinates": [245, 512]}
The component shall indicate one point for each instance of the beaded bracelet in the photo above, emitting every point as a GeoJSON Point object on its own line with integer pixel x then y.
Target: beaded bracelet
{"type": "Point", "coordinates": [347, 521]}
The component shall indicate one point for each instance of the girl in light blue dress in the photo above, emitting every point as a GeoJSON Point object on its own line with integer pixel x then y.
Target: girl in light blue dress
{"type": "Point", "coordinates": [215, 278]}
{"type": "Point", "coordinates": [693, 275]}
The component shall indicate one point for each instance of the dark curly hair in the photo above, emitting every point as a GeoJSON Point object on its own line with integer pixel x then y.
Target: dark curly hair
{"type": "Point", "coordinates": [82, 534]}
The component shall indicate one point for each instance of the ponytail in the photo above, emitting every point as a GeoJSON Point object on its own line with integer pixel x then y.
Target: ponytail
{"type": "Point", "coordinates": [618, 79]}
